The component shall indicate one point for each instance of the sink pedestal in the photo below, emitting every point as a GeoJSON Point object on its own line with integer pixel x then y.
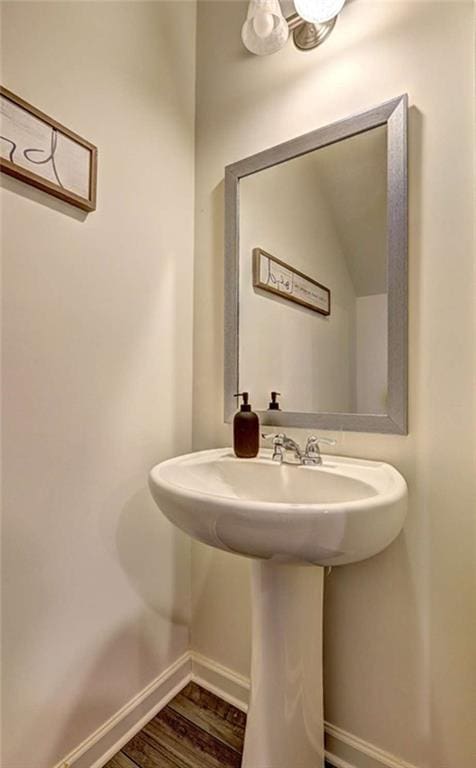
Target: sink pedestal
{"type": "Point", "coordinates": [342, 511]}
{"type": "Point", "coordinates": [285, 725]}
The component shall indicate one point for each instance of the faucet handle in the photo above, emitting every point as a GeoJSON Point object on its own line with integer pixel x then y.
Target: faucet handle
{"type": "Point", "coordinates": [278, 445]}
{"type": "Point", "coordinates": [277, 439]}
{"type": "Point", "coordinates": [312, 453]}
{"type": "Point", "coordinates": [314, 440]}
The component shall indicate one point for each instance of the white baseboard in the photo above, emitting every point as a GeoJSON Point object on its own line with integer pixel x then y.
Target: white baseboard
{"type": "Point", "coordinates": [348, 751]}
{"type": "Point", "coordinates": [343, 750]}
{"type": "Point", "coordinates": [228, 685]}
{"type": "Point", "coordinates": [98, 748]}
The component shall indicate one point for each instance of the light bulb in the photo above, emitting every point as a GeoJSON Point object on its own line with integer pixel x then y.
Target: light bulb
{"type": "Point", "coordinates": [265, 29]}
{"type": "Point", "coordinates": [263, 24]}
{"type": "Point", "coordinates": [318, 11]}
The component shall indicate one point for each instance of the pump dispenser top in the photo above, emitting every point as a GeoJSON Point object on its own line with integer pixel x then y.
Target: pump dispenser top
{"type": "Point", "coordinates": [245, 430]}
{"type": "Point", "coordinates": [245, 406]}
{"type": "Point", "coordinates": [274, 404]}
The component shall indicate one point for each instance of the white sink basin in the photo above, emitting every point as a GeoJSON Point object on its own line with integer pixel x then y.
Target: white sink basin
{"type": "Point", "coordinates": [340, 512]}
{"type": "Point", "coordinates": [286, 516]}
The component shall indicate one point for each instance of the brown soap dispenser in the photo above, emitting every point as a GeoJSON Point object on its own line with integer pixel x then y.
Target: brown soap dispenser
{"type": "Point", "coordinates": [245, 430]}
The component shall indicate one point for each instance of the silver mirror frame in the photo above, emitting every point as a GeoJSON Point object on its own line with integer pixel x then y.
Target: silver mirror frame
{"type": "Point", "coordinates": [393, 114]}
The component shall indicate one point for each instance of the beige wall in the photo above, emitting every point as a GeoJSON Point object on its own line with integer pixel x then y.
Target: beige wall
{"type": "Point", "coordinates": [400, 628]}
{"type": "Point", "coordinates": [97, 322]}
{"type": "Point", "coordinates": [371, 353]}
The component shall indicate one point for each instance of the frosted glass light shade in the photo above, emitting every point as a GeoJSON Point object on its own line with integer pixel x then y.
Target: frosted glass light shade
{"type": "Point", "coordinates": [265, 29]}
{"type": "Point", "coordinates": [318, 11]}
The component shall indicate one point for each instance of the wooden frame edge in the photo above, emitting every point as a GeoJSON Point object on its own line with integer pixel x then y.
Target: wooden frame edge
{"type": "Point", "coordinates": [33, 179]}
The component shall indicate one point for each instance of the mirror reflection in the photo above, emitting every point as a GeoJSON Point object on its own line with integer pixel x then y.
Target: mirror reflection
{"type": "Point", "coordinates": [313, 279]}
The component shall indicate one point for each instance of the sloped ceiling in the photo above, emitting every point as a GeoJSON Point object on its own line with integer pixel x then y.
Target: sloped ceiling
{"type": "Point", "coordinates": [353, 176]}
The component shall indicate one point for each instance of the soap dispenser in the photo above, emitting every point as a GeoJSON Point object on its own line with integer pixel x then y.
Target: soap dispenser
{"type": "Point", "coordinates": [274, 404]}
{"type": "Point", "coordinates": [245, 430]}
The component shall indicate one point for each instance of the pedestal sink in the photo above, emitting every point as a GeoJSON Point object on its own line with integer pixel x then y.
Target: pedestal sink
{"type": "Point", "coordinates": [288, 518]}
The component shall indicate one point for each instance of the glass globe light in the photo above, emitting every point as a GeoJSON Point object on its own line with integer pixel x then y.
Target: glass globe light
{"type": "Point", "coordinates": [265, 29]}
{"type": "Point", "coordinates": [263, 23]}
{"type": "Point", "coordinates": [318, 11]}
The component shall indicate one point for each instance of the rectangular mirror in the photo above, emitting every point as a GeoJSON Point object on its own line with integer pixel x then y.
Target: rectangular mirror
{"type": "Point", "coordinates": [316, 274]}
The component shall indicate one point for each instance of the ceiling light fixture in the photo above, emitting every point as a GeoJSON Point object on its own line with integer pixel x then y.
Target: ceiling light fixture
{"type": "Point", "coordinates": [318, 11]}
{"type": "Point", "coordinates": [266, 29]}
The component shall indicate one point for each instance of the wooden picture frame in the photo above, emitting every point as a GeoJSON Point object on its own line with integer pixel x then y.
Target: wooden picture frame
{"type": "Point", "coordinates": [38, 150]}
{"type": "Point", "coordinates": [289, 283]}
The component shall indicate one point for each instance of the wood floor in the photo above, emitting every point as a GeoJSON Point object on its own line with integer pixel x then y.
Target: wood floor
{"type": "Point", "coordinates": [196, 730]}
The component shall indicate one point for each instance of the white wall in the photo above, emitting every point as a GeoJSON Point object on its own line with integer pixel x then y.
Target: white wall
{"type": "Point", "coordinates": [306, 356]}
{"type": "Point", "coordinates": [97, 335]}
{"type": "Point", "coordinates": [97, 341]}
{"type": "Point", "coordinates": [400, 629]}
{"type": "Point", "coordinates": [371, 353]}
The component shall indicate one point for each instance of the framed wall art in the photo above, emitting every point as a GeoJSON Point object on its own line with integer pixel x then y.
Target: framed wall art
{"type": "Point", "coordinates": [40, 151]}
{"type": "Point", "coordinates": [273, 275]}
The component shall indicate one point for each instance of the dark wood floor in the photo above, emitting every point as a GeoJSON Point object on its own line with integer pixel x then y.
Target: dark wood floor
{"type": "Point", "coordinates": [196, 730]}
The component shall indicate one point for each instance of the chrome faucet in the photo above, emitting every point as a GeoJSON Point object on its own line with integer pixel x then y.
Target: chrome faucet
{"type": "Point", "coordinates": [311, 454]}
{"type": "Point", "coordinates": [283, 443]}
